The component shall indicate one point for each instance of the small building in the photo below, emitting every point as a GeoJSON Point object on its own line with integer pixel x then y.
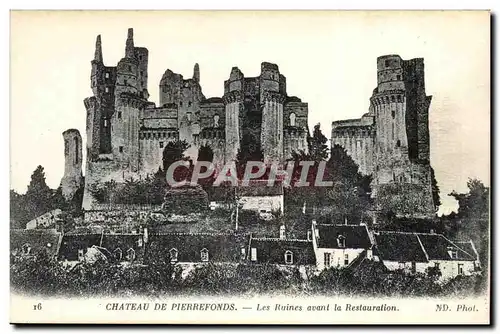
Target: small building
{"type": "Point", "coordinates": [400, 251]}
{"type": "Point", "coordinates": [470, 248]}
{"type": "Point", "coordinates": [86, 247]}
{"type": "Point", "coordinates": [339, 245]}
{"type": "Point", "coordinates": [416, 252]}
{"type": "Point", "coordinates": [191, 248]}
{"type": "Point", "coordinates": [261, 198]}
{"type": "Point", "coordinates": [31, 242]}
{"type": "Point", "coordinates": [281, 251]}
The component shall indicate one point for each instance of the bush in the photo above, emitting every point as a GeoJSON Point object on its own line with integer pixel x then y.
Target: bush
{"type": "Point", "coordinates": [46, 276]}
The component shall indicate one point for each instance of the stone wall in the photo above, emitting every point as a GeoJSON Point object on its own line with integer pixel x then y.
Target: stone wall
{"type": "Point", "coordinates": [272, 127]}
{"type": "Point", "coordinates": [391, 142]}
{"type": "Point", "coordinates": [233, 103]}
{"type": "Point", "coordinates": [126, 133]}
{"type": "Point", "coordinates": [72, 179]}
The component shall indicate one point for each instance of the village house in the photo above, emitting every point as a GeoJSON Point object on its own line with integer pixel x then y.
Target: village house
{"type": "Point", "coordinates": [339, 245]}
{"type": "Point", "coordinates": [261, 198]}
{"type": "Point", "coordinates": [109, 247]}
{"type": "Point", "coordinates": [281, 251]}
{"type": "Point", "coordinates": [185, 248]}
{"type": "Point", "coordinates": [28, 243]}
{"type": "Point", "coordinates": [416, 252]}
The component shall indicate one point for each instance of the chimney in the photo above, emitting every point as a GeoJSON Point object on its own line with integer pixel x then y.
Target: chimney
{"type": "Point", "coordinates": [282, 232]}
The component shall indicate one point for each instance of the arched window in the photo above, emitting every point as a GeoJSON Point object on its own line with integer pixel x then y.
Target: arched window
{"type": "Point", "coordinates": [398, 143]}
{"type": "Point", "coordinates": [341, 241]}
{"type": "Point", "coordinates": [216, 121]}
{"type": "Point", "coordinates": [26, 249]}
{"type": "Point", "coordinates": [204, 255]}
{"type": "Point", "coordinates": [173, 255]}
{"type": "Point", "coordinates": [288, 257]}
{"type": "Point", "coordinates": [393, 112]}
{"type": "Point", "coordinates": [131, 254]}
{"type": "Point", "coordinates": [117, 253]}
{"type": "Point", "coordinates": [292, 119]}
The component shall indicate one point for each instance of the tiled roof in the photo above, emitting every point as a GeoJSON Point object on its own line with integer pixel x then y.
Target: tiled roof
{"type": "Point", "coordinates": [437, 247]}
{"type": "Point", "coordinates": [400, 247]}
{"type": "Point", "coordinates": [468, 247]}
{"type": "Point", "coordinates": [220, 247]}
{"type": "Point", "coordinates": [356, 236]}
{"type": "Point", "coordinates": [272, 250]}
{"type": "Point", "coordinates": [418, 247]}
{"type": "Point", "coordinates": [38, 240]}
{"type": "Point", "coordinates": [73, 242]}
{"type": "Point", "coordinates": [124, 242]}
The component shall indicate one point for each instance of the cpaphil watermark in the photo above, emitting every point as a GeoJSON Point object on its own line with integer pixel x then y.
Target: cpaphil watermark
{"type": "Point", "coordinates": [301, 174]}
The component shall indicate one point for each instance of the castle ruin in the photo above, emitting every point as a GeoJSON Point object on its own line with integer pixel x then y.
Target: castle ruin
{"type": "Point", "coordinates": [126, 133]}
{"type": "Point", "coordinates": [391, 141]}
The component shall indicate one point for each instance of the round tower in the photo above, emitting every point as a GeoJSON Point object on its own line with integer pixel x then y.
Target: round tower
{"type": "Point", "coordinates": [388, 103]}
{"type": "Point", "coordinates": [272, 98]}
{"type": "Point", "coordinates": [401, 183]}
{"type": "Point", "coordinates": [272, 127]}
{"type": "Point", "coordinates": [72, 179]}
{"type": "Point", "coordinates": [233, 102]}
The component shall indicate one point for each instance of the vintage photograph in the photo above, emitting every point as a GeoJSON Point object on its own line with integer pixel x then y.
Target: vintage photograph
{"type": "Point", "coordinates": [200, 166]}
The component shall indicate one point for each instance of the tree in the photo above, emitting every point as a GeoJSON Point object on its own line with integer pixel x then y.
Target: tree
{"type": "Point", "coordinates": [174, 151]}
{"type": "Point", "coordinates": [475, 203]}
{"type": "Point", "coordinates": [435, 189]}
{"type": "Point", "coordinates": [205, 153]}
{"type": "Point", "coordinates": [18, 214]}
{"type": "Point", "coordinates": [350, 194]}
{"type": "Point", "coordinates": [38, 198]}
{"type": "Point", "coordinates": [318, 150]}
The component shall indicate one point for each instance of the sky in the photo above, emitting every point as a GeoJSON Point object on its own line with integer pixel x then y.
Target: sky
{"type": "Point", "coordinates": [329, 59]}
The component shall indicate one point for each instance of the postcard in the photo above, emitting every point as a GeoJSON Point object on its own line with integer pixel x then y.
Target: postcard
{"type": "Point", "coordinates": [250, 167]}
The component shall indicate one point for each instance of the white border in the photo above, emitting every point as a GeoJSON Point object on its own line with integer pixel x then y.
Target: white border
{"type": "Point", "coordinates": [494, 5]}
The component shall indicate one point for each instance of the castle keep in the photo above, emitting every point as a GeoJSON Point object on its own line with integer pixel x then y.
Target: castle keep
{"type": "Point", "coordinates": [126, 133]}
{"type": "Point", "coordinates": [391, 141]}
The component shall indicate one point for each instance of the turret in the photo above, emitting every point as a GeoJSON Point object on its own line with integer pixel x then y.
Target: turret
{"type": "Point", "coordinates": [126, 80]}
{"type": "Point", "coordinates": [196, 73]}
{"type": "Point", "coordinates": [272, 97]}
{"type": "Point", "coordinates": [98, 49]}
{"type": "Point", "coordinates": [72, 179]}
{"type": "Point", "coordinates": [129, 45]}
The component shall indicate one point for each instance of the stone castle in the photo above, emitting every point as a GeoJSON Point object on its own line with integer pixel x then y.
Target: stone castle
{"type": "Point", "coordinates": [126, 133]}
{"type": "Point", "coordinates": [391, 141]}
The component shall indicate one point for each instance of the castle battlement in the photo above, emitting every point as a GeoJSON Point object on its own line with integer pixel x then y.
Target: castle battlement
{"type": "Point", "coordinates": [126, 133]}
{"type": "Point", "coordinates": [391, 142]}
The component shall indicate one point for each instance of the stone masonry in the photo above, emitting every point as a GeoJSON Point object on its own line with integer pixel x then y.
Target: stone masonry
{"type": "Point", "coordinates": [126, 133]}
{"type": "Point", "coordinates": [391, 141]}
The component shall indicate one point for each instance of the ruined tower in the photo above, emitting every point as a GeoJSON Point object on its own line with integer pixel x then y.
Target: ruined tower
{"type": "Point", "coordinates": [391, 141]}
{"type": "Point", "coordinates": [233, 104]}
{"type": "Point", "coordinates": [127, 133]}
{"type": "Point", "coordinates": [272, 98]}
{"type": "Point", "coordinates": [72, 179]}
